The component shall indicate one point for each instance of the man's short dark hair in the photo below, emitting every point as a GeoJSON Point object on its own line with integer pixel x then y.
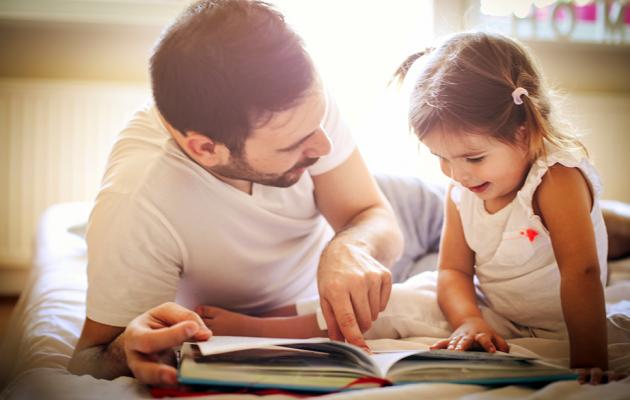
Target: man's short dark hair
{"type": "Point", "coordinates": [224, 65]}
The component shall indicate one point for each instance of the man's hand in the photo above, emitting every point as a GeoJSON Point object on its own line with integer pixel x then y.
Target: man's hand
{"type": "Point", "coordinates": [475, 331]}
{"type": "Point", "coordinates": [150, 337]}
{"type": "Point", "coordinates": [354, 288]}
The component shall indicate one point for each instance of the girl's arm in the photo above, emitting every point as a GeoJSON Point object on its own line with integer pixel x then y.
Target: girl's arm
{"type": "Point", "coordinates": [456, 291]}
{"type": "Point", "coordinates": [224, 322]}
{"type": "Point", "coordinates": [564, 202]}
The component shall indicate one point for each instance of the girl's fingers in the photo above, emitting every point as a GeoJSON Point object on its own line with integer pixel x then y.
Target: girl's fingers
{"type": "Point", "coordinates": [452, 343]}
{"type": "Point", "coordinates": [465, 343]}
{"type": "Point", "coordinates": [207, 311]}
{"type": "Point", "coordinates": [485, 341]}
{"type": "Point", "coordinates": [440, 344]}
{"type": "Point", "coordinates": [208, 322]}
{"type": "Point", "coordinates": [596, 376]}
{"type": "Point", "coordinates": [501, 344]}
{"type": "Point", "coordinates": [581, 375]}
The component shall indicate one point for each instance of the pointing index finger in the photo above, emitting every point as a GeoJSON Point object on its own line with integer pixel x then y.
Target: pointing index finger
{"type": "Point", "coordinates": [347, 323]}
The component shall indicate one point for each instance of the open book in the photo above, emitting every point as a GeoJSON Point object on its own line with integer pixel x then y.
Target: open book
{"type": "Point", "coordinates": [321, 365]}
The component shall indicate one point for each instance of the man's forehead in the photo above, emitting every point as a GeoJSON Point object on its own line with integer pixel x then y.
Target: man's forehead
{"type": "Point", "coordinates": [309, 110]}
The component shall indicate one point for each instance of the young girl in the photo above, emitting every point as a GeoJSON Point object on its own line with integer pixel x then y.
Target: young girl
{"type": "Point", "coordinates": [523, 227]}
{"type": "Point", "coordinates": [523, 249]}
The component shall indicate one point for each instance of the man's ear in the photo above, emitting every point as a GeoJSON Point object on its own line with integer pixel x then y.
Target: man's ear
{"type": "Point", "coordinates": [204, 150]}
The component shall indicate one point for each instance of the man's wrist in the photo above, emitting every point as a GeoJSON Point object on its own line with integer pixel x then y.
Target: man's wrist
{"type": "Point", "coordinates": [116, 349]}
{"type": "Point", "coordinates": [340, 245]}
{"type": "Point", "coordinates": [106, 361]}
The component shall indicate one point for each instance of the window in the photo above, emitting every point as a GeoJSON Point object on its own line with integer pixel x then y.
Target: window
{"type": "Point", "coordinates": [357, 45]}
{"type": "Point", "coordinates": [585, 21]}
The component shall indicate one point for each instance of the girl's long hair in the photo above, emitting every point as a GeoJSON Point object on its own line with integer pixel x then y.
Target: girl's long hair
{"type": "Point", "coordinates": [466, 85]}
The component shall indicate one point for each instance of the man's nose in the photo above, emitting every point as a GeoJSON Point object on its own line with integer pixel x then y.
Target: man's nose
{"type": "Point", "coordinates": [318, 145]}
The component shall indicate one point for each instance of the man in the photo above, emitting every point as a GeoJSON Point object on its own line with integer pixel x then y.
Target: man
{"type": "Point", "coordinates": [224, 193]}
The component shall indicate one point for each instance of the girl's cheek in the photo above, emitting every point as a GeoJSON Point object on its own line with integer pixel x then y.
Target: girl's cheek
{"type": "Point", "coordinates": [446, 169]}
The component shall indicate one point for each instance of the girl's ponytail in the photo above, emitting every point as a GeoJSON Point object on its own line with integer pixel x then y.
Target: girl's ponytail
{"type": "Point", "coordinates": [403, 69]}
{"type": "Point", "coordinates": [538, 121]}
{"type": "Point", "coordinates": [481, 82]}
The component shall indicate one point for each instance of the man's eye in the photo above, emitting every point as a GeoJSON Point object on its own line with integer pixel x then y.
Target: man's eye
{"type": "Point", "coordinates": [290, 149]}
{"type": "Point", "coordinates": [475, 160]}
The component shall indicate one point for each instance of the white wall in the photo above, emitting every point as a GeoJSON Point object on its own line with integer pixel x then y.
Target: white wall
{"type": "Point", "coordinates": [75, 48]}
{"type": "Point", "coordinates": [594, 82]}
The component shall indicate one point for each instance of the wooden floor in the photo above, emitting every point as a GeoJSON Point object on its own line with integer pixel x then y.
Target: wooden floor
{"type": "Point", "coordinates": [6, 307]}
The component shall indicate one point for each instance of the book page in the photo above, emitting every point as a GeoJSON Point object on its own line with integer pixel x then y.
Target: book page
{"type": "Point", "coordinates": [226, 344]}
{"type": "Point", "coordinates": [229, 344]}
{"type": "Point", "coordinates": [389, 357]}
{"type": "Point", "coordinates": [384, 361]}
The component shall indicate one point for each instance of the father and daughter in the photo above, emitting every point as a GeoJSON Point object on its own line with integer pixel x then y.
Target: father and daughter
{"type": "Point", "coordinates": [524, 246]}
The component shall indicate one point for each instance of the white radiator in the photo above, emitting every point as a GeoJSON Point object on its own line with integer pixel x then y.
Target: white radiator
{"type": "Point", "coordinates": [54, 140]}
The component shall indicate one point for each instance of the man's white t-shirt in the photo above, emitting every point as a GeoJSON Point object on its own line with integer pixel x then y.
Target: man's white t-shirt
{"type": "Point", "coordinates": [164, 229]}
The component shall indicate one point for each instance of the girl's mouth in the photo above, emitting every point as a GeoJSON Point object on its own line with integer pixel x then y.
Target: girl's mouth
{"type": "Point", "coordinates": [479, 188]}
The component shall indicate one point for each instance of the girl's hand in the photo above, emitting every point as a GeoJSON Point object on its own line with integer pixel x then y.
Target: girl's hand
{"type": "Point", "coordinates": [224, 322]}
{"type": "Point", "coordinates": [595, 376]}
{"type": "Point", "coordinates": [474, 331]}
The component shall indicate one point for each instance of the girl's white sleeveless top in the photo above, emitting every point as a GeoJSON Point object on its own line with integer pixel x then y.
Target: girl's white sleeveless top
{"type": "Point", "coordinates": [515, 267]}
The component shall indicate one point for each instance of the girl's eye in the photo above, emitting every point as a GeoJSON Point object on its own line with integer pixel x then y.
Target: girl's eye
{"type": "Point", "coordinates": [475, 160]}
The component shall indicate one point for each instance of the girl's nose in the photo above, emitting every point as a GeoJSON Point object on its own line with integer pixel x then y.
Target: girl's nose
{"type": "Point", "coordinates": [318, 145]}
{"type": "Point", "coordinates": [458, 174]}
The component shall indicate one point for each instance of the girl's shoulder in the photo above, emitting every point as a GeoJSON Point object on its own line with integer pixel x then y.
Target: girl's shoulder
{"type": "Point", "coordinates": [564, 187]}
{"type": "Point", "coordinates": [560, 167]}
{"type": "Point", "coordinates": [553, 177]}
{"type": "Point", "coordinates": [559, 180]}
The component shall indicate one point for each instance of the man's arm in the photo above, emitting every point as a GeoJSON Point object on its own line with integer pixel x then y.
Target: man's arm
{"type": "Point", "coordinates": [143, 348]}
{"type": "Point", "coordinates": [354, 283]}
{"type": "Point", "coordinates": [99, 352]}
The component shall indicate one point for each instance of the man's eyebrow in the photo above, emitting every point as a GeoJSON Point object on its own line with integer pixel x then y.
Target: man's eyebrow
{"type": "Point", "coordinates": [298, 143]}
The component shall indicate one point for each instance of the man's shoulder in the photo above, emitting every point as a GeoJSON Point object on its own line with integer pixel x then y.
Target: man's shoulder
{"type": "Point", "coordinates": [143, 152]}
{"type": "Point", "coordinates": [339, 133]}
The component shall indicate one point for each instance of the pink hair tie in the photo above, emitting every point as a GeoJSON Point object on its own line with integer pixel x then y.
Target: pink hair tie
{"type": "Point", "coordinates": [517, 93]}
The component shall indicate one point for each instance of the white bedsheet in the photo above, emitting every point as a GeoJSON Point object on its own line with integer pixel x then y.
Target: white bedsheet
{"type": "Point", "coordinates": [48, 318]}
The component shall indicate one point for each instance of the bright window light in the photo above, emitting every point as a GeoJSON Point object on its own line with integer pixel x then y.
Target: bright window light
{"type": "Point", "coordinates": [357, 45]}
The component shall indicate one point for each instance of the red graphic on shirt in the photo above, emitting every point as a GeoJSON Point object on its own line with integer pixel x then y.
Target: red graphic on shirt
{"type": "Point", "coordinates": [530, 233]}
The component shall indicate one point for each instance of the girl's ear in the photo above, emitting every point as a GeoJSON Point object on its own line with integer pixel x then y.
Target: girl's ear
{"type": "Point", "coordinates": [522, 138]}
{"type": "Point", "coordinates": [205, 151]}
{"type": "Point", "coordinates": [530, 142]}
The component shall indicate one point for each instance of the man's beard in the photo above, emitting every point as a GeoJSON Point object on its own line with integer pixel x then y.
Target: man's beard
{"type": "Point", "coordinates": [239, 169]}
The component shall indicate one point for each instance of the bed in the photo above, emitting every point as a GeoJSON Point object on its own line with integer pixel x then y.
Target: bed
{"type": "Point", "coordinates": [48, 317]}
